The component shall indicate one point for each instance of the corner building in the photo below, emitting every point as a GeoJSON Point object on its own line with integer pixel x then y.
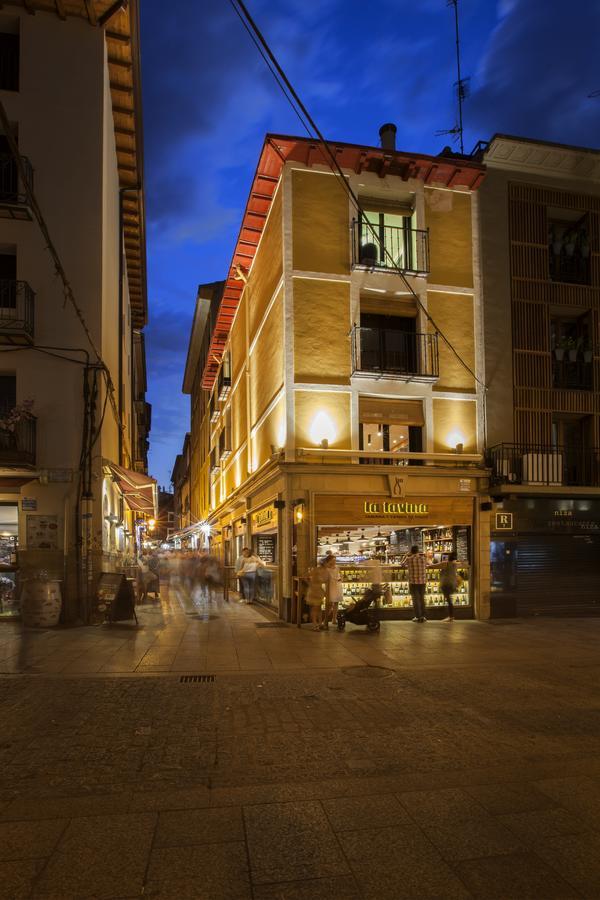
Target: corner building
{"type": "Point", "coordinates": [327, 411]}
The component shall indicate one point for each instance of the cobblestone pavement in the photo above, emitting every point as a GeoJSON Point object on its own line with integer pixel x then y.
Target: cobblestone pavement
{"type": "Point", "coordinates": [434, 761]}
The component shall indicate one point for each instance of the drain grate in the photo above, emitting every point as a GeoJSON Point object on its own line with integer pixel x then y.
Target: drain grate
{"type": "Point", "coordinates": [196, 679]}
{"type": "Point", "coordinates": [271, 624]}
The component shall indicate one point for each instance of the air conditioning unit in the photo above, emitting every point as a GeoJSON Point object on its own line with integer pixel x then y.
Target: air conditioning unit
{"type": "Point", "coordinates": [542, 468]}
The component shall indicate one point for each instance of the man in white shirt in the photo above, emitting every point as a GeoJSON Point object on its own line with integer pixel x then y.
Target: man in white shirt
{"type": "Point", "coordinates": [247, 573]}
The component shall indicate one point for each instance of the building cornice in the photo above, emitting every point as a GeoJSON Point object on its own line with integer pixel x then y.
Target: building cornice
{"type": "Point", "coordinates": [540, 158]}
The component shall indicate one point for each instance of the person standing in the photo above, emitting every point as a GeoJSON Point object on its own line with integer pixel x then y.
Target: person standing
{"type": "Point", "coordinates": [449, 583]}
{"type": "Point", "coordinates": [315, 593]}
{"type": "Point", "coordinates": [247, 573]}
{"type": "Point", "coordinates": [417, 578]}
{"type": "Point", "coordinates": [333, 590]}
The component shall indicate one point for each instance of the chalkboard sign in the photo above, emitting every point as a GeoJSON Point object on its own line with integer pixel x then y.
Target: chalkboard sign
{"type": "Point", "coordinates": [115, 600]}
{"type": "Point", "coordinates": [265, 547]}
{"type": "Point", "coordinates": [463, 544]}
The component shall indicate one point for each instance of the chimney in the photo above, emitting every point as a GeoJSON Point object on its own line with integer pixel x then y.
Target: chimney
{"type": "Point", "coordinates": [387, 134]}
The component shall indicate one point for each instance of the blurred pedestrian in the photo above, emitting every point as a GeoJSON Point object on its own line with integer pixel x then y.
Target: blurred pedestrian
{"type": "Point", "coordinates": [333, 589]}
{"type": "Point", "coordinates": [449, 583]}
{"type": "Point", "coordinates": [247, 574]}
{"type": "Point", "coordinates": [315, 594]}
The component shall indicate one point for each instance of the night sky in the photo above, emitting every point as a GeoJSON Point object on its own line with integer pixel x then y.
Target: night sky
{"type": "Point", "coordinates": [209, 100]}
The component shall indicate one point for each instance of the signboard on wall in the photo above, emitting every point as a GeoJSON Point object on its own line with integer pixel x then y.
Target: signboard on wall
{"type": "Point", "coordinates": [29, 503]}
{"type": "Point", "coordinates": [42, 532]}
{"type": "Point", "coordinates": [264, 519]}
{"type": "Point", "coordinates": [554, 515]}
{"type": "Point", "coordinates": [353, 510]}
{"type": "Point", "coordinates": [266, 547]}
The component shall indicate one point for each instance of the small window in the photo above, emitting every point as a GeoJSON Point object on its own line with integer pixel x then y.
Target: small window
{"type": "Point", "coordinates": [569, 246]}
{"type": "Point", "coordinates": [9, 61]}
{"type": "Point", "coordinates": [572, 345]}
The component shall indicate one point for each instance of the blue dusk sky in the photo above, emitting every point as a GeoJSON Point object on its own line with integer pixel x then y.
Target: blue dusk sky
{"type": "Point", "coordinates": [209, 100]}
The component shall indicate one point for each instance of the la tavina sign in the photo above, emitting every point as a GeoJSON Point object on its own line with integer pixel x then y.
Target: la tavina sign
{"type": "Point", "coordinates": [395, 508]}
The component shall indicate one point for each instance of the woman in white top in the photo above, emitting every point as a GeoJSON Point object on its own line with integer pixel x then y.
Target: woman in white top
{"type": "Point", "coordinates": [247, 566]}
{"type": "Point", "coordinates": [333, 590]}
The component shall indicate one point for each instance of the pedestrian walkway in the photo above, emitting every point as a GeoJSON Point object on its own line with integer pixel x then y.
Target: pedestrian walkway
{"type": "Point", "coordinates": [183, 633]}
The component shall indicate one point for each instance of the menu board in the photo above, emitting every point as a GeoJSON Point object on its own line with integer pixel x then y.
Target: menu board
{"type": "Point", "coordinates": [114, 599]}
{"type": "Point", "coordinates": [8, 550]}
{"type": "Point", "coordinates": [266, 545]}
{"type": "Point", "coordinates": [42, 532]}
{"type": "Point", "coordinates": [463, 545]}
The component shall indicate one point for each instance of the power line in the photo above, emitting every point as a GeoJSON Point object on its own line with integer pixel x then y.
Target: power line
{"type": "Point", "coordinates": [331, 160]}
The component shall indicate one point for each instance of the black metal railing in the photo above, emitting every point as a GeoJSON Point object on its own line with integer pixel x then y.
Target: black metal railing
{"type": "Point", "coordinates": [17, 438]}
{"type": "Point", "coordinates": [16, 308]}
{"type": "Point", "coordinates": [388, 351]}
{"type": "Point", "coordinates": [570, 269]}
{"type": "Point", "coordinates": [544, 464]}
{"type": "Point", "coordinates": [12, 186]}
{"type": "Point", "coordinates": [575, 375]}
{"type": "Point", "coordinates": [390, 247]}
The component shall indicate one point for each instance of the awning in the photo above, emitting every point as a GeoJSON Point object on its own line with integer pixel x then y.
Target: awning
{"type": "Point", "coordinates": [139, 490]}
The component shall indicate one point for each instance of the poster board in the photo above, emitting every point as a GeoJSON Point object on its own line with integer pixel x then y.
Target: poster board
{"type": "Point", "coordinates": [266, 547]}
{"type": "Point", "coordinates": [42, 532]}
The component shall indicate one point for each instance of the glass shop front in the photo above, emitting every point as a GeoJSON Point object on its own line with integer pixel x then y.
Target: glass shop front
{"type": "Point", "coordinates": [385, 530]}
{"type": "Point", "coordinates": [265, 545]}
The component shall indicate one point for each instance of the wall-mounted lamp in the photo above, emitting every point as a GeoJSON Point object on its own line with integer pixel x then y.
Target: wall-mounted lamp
{"type": "Point", "coordinates": [298, 506]}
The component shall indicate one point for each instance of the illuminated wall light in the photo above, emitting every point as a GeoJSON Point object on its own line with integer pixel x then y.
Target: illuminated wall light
{"type": "Point", "coordinates": [454, 439]}
{"type": "Point", "coordinates": [322, 429]}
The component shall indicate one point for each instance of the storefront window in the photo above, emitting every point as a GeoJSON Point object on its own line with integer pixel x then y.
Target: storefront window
{"type": "Point", "coordinates": [9, 517]}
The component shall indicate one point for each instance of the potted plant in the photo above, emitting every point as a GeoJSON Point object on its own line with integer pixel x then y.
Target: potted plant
{"type": "Point", "coordinates": [556, 238]}
{"type": "Point", "coordinates": [584, 244]}
{"type": "Point", "coordinates": [572, 346]}
{"type": "Point", "coordinates": [570, 238]}
{"type": "Point", "coordinates": [559, 351]}
{"type": "Point", "coordinates": [588, 354]}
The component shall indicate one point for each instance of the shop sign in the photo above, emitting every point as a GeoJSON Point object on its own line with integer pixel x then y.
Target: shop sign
{"type": "Point", "coordinates": [29, 503]}
{"type": "Point", "coordinates": [393, 508]}
{"type": "Point", "coordinates": [556, 515]}
{"type": "Point", "coordinates": [60, 475]}
{"type": "Point", "coordinates": [464, 484]}
{"type": "Point", "coordinates": [397, 485]}
{"type": "Point", "coordinates": [504, 521]}
{"type": "Point", "coordinates": [264, 518]}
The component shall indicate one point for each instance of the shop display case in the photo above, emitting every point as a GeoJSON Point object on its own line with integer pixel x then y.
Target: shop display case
{"type": "Point", "coordinates": [397, 595]}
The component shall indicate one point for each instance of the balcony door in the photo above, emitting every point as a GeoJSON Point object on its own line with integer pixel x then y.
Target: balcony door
{"type": "Point", "coordinates": [390, 232]}
{"type": "Point", "coordinates": [8, 279]}
{"type": "Point", "coordinates": [8, 393]}
{"type": "Point", "coordinates": [388, 343]}
{"type": "Point", "coordinates": [9, 180]}
{"type": "Point", "coordinates": [572, 438]}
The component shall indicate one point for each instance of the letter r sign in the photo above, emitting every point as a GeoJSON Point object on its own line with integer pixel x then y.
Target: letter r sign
{"type": "Point", "coordinates": [504, 521]}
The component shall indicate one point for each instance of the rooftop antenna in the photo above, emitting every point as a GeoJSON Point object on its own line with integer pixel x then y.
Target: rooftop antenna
{"type": "Point", "coordinates": [461, 84]}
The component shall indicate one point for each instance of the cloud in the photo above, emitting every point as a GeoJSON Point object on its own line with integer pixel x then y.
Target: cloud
{"type": "Point", "coordinates": [537, 69]}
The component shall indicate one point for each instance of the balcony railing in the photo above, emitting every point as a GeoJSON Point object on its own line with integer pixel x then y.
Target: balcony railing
{"type": "Point", "coordinates": [13, 190]}
{"type": "Point", "coordinates": [398, 354]}
{"type": "Point", "coordinates": [16, 311]}
{"type": "Point", "coordinates": [17, 440]}
{"type": "Point", "coordinates": [574, 375]}
{"type": "Point", "coordinates": [538, 464]}
{"type": "Point", "coordinates": [389, 247]}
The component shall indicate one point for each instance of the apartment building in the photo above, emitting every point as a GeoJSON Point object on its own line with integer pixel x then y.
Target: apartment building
{"type": "Point", "coordinates": [74, 421]}
{"type": "Point", "coordinates": [540, 252]}
{"type": "Point", "coordinates": [336, 376]}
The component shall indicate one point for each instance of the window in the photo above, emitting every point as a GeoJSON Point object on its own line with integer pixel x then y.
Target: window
{"type": "Point", "coordinates": [9, 61]}
{"type": "Point", "coordinates": [572, 344]}
{"type": "Point", "coordinates": [387, 239]}
{"type": "Point", "coordinates": [390, 425]}
{"type": "Point", "coordinates": [569, 246]}
{"type": "Point", "coordinates": [8, 280]}
{"type": "Point", "coordinates": [8, 392]}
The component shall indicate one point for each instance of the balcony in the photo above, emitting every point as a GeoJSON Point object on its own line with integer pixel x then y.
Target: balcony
{"type": "Point", "coordinates": [213, 409]}
{"type": "Point", "coordinates": [537, 464]}
{"type": "Point", "coordinates": [573, 375]}
{"type": "Point", "coordinates": [389, 353]}
{"type": "Point", "coordinates": [17, 438]}
{"type": "Point", "coordinates": [224, 381]}
{"type": "Point", "coordinates": [14, 201]}
{"type": "Point", "coordinates": [16, 312]}
{"type": "Point", "coordinates": [387, 247]}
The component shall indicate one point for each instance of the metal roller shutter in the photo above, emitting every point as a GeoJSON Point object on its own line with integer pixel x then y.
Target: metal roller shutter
{"type": "Point", "coordinates": [558, 575]}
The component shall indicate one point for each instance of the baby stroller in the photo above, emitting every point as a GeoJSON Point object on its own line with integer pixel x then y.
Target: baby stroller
{"type": "Point", "coordinates": [363, 612]}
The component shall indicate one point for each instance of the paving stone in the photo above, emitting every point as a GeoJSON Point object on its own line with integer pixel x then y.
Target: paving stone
{"type": "Point", "coordinates": [399, 863]}
{"type": "Point", "coordinates": [291, 841]}
{"type": "Point", "coordinates": [199, 826]}
{"type": "Point", "coordinates": [188, 798]}
{"type": "Point", "coordinates": [214, 871]}
{"type": "Point", "coordinates": [349, 813]}
{"type": "Point", "coordinates": [29, 840]}
{"type": "Point", "coordinates": [537, 825]}
{"type": "Point", "coordinates": [472, 839]}
{"type": "Point", "coordinates": [109, 853]}
{"type": "Point", "coordinates": [17, 877]}
{"type": "Point", "coordinates": [577, 858]}
{"type": "Point", "coordinates": [509, 798]}
{"type": "Point", "coordinates": [515, 876]}
{"type": "Point", "coordinates": [440, 807]}
{"type": "Point", "coordinates": [66, 807]}
{"type": "Point", "coordinates": [341, 888]}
